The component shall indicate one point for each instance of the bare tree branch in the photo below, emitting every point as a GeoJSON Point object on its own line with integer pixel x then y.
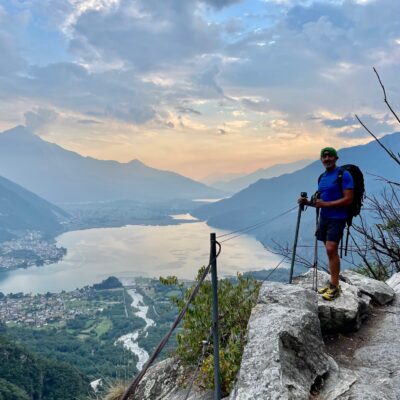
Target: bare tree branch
{"type": "Point", "coordinates": [384, 179]}
{"type": "Point", "coordinates": [388, 151]}
{"type": "Point", "coordinates": [384, 96]}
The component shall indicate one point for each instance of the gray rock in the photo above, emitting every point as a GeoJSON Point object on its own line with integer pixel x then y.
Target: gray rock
{"type": "Point", "coordinates": [375, 364]}
{"type": "Point", "coordinates": [394, 282]}
{"type": "Point", "coordinates": [338, 383]}
{"type": "Point", "coordinates": [163, 381]}
{"type": "Point", "coordinates": [284, 354]}
{"type": "Point", "coordinates": [345, 313]}
{"type": "Point", "coordinates": [379, 291]}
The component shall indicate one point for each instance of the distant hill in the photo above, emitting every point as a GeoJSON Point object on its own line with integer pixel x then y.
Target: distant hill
{"type": "Point", "coordinates": [25, 375]}
{"type": "Point", "coordinates": [22, 210]}
{"type": "Point", "coordinates": [242, 182]}
{"type": "Point", "coordinates": [61, 176]}
{"type": "Point", "coordinates": [269, 197]}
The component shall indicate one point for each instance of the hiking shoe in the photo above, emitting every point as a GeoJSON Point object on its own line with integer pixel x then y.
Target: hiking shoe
{"type": "Point", "coordinates": [332, 293]}
{"type": "Point", "coordinates": [325, 288]}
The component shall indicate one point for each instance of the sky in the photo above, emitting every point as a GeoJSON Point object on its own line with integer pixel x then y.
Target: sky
{"type": "Point", "coordinates": [201, 87]}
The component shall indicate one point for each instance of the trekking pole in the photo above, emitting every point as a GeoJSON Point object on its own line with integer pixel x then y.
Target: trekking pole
{"type": "Point", "coordinates": [315, 270]}
{"type": "Point", "coordinates": [296, 236]}
{"type": "Point", "coordinates": [347, 240]}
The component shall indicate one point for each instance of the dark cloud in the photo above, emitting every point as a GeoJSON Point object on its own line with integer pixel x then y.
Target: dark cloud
{"type": "Point", "coordinates": [113, 94]}
{"type": "Point", "coordinates": [88, 122]}
{"type": "Point", "coordinates": [221, 3]}
{"type": "Point", "coordinates": [147, 34]}
{"type": "Point", "coordinates": [187, 110]}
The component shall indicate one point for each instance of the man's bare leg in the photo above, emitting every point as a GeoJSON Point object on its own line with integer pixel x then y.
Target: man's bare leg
{"type": "Point", "coordinates": [334, 261]}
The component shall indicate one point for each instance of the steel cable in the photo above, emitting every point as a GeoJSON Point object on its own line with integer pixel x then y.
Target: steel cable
{"type": "Point", "coordinates": [254, 226]}
{"type": "Point", "coordinates": [199, 362]}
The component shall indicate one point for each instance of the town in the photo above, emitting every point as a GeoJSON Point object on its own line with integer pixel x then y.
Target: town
{"type": "Point", "coordinates": [32, 249]}
{"type": "Point", "coordinates": [41, 309]}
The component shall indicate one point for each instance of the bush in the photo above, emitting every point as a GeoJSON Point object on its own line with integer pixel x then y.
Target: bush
{"type": "Point", "coordinates": [236, 299]}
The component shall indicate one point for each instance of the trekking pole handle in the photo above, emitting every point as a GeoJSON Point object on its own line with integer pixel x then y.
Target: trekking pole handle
{"type": "Point", "coordinates": [303, 195]}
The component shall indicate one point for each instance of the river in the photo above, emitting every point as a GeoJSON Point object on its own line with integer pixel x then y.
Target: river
{"type": "Point", "coordinates": [136, 250]}
{"type": "Point", "coordinates": [129, 341]}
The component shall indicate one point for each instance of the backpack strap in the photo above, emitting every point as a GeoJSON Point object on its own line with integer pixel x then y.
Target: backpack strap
{"type": "Point", "coordinates": [339, 179]}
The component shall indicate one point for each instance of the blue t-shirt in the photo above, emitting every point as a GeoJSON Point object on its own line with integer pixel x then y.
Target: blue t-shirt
{"type": "Point", "coordinates": [330, 190]}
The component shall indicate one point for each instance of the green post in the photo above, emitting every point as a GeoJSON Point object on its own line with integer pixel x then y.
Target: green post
{"type": "Point", "coordinates": [215, 323]}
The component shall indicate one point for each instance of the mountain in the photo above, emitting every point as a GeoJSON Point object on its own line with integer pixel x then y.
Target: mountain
{"type": "Point", "coordinates": [269, 197]}
{"type": "Point", "coordinates": [241, 182]}
{"type": "Point", "coordinates": [22, 210]}
{"type": "Point", "coordinates": [25, 375]}
{"type": "Point", "coordinates": [62, 176]}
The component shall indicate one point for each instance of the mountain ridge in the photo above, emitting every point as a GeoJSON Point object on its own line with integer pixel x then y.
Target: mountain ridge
{"type": "Point", "coordinates": [22, 210]}
{"type": "Point", "coordinates": [239, 183]}
{"type": "Point", "coordinates": [269, 197]}
{"type": "Point", "coordinates": [61, 175]}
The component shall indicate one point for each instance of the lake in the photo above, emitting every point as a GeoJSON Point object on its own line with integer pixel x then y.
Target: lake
{"type": "Point", "coordinates": [136, 250]}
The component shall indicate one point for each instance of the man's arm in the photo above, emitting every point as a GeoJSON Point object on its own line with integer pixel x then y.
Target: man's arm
{"type": "Point", "coordinates": [346, 200]}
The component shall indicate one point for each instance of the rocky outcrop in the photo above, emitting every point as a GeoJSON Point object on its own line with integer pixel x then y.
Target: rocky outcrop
{"type": "Point", "coordinates": [380, 292]}
{"type": "Point", "coordinates": [164, 381]}
{"type": "Point", "coordinates": [370, 357]}
{"type": "Point", "coordinates": [394, 282]}
{"type": "Point", "coordinates": [285, 354]}
{"type": "Point", "coordinates": [346, 313]}
{"type": "Point", "coordinates": [285, 357]}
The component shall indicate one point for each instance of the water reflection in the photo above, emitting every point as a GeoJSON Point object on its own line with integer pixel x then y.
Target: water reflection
{"type": "Point", "coordinates": [130, 251]}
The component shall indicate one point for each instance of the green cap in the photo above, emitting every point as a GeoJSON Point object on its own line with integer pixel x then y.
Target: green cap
{"type": "Point", "coordinates": [330, 150]}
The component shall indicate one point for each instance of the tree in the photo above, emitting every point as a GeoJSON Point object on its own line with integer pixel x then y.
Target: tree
{"type": "Point", "coordinates": [378, 237]}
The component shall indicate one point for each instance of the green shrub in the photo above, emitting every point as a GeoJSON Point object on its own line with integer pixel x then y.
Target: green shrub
{"type": "Point", "coordinates": [236, 298]}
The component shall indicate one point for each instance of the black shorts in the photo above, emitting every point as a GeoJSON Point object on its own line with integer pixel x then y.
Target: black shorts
{"type": "Point", "coordinates": [330, 229]}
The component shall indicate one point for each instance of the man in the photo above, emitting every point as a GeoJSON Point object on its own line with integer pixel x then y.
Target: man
{"type": "Point", "coordinates": [334, 199]}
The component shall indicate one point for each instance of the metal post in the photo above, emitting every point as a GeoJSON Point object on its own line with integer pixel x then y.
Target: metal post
{"type": "Point", "coordinates": [214, 279]}
{"type": "Point", "coordinates": [301, 208]}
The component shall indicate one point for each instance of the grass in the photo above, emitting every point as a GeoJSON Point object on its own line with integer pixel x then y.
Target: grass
{"type": "Point", "coordinates": [104, 326]}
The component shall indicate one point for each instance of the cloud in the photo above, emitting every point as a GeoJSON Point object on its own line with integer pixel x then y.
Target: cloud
{"type": "Point", "coordinates": [146, 35]}
{"type": "Point", "coordinates": [145, 61]}
{"type": "Point", "coordinates": [11, 60]}
{"type": "Point", "coordinates": [109, 95]}
{"type": "Point", "coordinates": [258, 105]}
{"type": "Point", "coordinates": [221, 3]}
{"type": "Point", "coordinates": [379, 125]}
{"type": "Point", "coordinates": [88, 122]}
{"type": "Point", "coordinates": [37, 119]}
{"type": "Point", "coordinates": [348, 120]}
{"type": "Point", "coordinates": [187, 110]}
{"type": "Point", "coordinates": [349, 127]}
